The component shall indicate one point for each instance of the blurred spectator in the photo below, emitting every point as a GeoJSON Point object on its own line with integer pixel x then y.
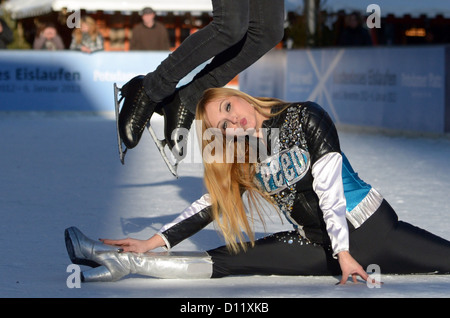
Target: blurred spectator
{"type": "Point", "coordinates": [117, 34]}
{"type": "Point", "coordinates": [354, 34]}
{"type": "Point", "coordinates": [48, 39]}
{"type": "Point", "coordinates": [87, 38]}
{"type": "Point", "coordinates": [149, 34]}
{"type": "Point", "coordinates": [6, 35]}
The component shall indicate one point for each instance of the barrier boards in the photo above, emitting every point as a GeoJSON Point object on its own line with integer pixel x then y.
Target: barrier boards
{"type": "Point", "coordinates": [68, 80]}
{"type": "Point", "coordinates": [401, 88]}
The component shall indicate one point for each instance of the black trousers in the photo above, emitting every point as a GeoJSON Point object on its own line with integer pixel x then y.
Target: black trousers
{"type": "Point", "coordinates": [395, 246]}
{"type": "Point", "coordinates": [240, 33]}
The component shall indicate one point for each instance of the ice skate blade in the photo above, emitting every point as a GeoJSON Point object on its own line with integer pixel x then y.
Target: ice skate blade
{"type": "Point", "coordinates": [122, 150]}
{"type": "Point", "coordinates": [161, 144]}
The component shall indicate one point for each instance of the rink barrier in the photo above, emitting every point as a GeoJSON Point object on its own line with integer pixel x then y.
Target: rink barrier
{"type": "Point", "coordinates": [393, 88]}
{"type": "Point", "coordinates": [402, 88]}
{"type": "Point", "coordinates": [69, 80]}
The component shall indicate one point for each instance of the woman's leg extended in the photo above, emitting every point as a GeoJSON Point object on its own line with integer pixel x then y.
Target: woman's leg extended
{"type": "Point", "coordinates": [414, 250]}
{"type": "Point", "coordinates": [284, 253]}
{"type": "Point", "coordinates": [229, 25]}
{"type": "Point", "coordinates": [110, 264]}
{"type": "Point", "coordinates": [265, 30]}
{"type": "Point", "coordinates": [398, 247]}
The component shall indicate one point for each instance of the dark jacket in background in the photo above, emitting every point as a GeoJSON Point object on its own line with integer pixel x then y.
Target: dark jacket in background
{"type": "Point", "coordinates": [6, 36]}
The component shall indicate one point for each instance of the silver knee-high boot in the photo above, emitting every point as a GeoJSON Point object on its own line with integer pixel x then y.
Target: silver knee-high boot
{"type": "Point", "coordinates": [113, 264]}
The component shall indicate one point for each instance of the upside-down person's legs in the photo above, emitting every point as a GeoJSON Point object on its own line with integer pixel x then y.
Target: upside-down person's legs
{"type": "Point", "coordinates": [142, 94]}
{"type": "Point", "coordinates": [229, 25]}
{"type": "Point", "coordinates": [265, 30]}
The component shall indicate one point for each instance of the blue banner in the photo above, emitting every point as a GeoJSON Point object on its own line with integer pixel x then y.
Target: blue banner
{"type": "Point", "coordinates": [68, 80]}
{"type": "Point", "coordinates": [401, 88]}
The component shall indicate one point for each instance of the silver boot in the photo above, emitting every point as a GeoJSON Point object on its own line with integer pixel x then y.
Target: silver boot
{"type": "Point", "coordinates": [82, 250]}
{"type": "Point", "coordinates": [114, 264]}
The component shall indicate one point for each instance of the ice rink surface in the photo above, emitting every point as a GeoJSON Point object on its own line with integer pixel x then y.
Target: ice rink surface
{"type": "Point", "coordinates": [61, 170]}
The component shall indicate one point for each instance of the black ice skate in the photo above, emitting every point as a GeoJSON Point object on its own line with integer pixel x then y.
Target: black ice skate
{"type": "Point", "coordinates": [177, 122]}
{"type": "Point", "coordinates": [134, 115]}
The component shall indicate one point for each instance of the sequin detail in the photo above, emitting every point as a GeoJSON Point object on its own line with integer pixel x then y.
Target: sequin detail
{"type": "Point", "coordinates": [294, 238]}
{"type": "Point", "coordinates": [291, 135]}
{"type": "Point", "coordinates": [291, 237]}
{"type": "Point", "coordinates": [291, 131]}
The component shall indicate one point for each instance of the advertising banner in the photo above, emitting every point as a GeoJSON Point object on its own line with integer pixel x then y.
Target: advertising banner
{"type": "Point", "coordinates": [68, 80]}
{"type": "Point", "coordinates": [401, 88]}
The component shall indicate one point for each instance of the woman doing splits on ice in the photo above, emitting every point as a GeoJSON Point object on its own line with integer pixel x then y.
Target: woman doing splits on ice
{"type": "Point", "coordinates": [341, 224]}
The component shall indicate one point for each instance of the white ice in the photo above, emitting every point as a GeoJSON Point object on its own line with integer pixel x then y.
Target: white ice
{"type": "Point", "coordinates": [61, 170]}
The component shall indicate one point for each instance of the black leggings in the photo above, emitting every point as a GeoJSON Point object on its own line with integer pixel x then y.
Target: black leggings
{"type": "Point", "coordinates": [395, 246]}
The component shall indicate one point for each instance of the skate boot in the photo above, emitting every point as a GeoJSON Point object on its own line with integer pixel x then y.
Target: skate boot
{"type": "Point", "coordinates": [135, 114]}
{"type": "Point", "coordinates": [114, 265]}
{"type": "Point", "coordinates": [177, 122]}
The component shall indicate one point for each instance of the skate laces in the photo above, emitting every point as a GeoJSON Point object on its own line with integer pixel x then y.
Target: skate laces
{"type": "Point", "coordinates": [141, 111]}
{"type": "Point", "coordinates": [185, 117]}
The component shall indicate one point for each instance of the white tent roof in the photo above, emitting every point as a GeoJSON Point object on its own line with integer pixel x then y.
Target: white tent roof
{"type": "Point", "coordinates": [29, 8]}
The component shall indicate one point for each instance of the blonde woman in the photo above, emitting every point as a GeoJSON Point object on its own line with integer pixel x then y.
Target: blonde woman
{"type": "Point", "coordinates": [87, 38]}
{"type": "Point", "coordinates": [341, 224]}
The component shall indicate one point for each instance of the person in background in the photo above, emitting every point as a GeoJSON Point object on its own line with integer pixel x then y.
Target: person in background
{"type": "Point", "coordinates": [48, 39]}
{"type": "Point", "coordinates": [149, 34]}
{"type": "Point", "coordinates": [354, 33]}
{"type": "Point", "coordinates": [87, 38]}
{"type": "Point", "coordinates": [6, 35]}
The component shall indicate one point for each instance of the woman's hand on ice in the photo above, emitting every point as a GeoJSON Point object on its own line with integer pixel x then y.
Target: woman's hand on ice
{"type": "Point", "coordinates": [350, 266]}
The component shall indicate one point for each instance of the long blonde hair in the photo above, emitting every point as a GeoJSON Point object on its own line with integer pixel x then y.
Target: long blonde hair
{"type": "Point", "coordinates": [228, 179]}
{"type": "Point", "coordinates": [93, 31]}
